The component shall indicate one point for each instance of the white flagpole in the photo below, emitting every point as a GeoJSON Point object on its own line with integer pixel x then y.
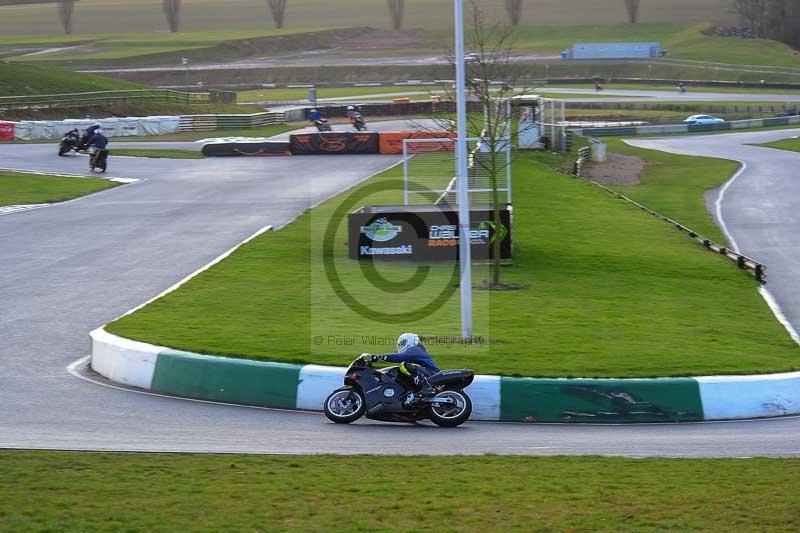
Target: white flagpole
{"type": "Point", "coordinates": [465, 250]}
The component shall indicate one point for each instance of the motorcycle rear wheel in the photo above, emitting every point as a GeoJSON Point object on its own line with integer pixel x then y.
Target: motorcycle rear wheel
{"type": "Point", "coordinates": [448, 416]}
{"type": "Point", "coordinates": [345, 406]}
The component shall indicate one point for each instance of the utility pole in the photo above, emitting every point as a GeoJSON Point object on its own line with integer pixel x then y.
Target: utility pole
{"type": "Point", "coordinates": [462, 175]}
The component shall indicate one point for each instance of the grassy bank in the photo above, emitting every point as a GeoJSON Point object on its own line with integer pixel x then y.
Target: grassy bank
{"type": "Point", "coordinates": [785, 144]}
{"type": "Point", "coordinates": [18, 189]}
{"type": "Point", "coordinates": [67, 491]}
{"type": "Point", "coordinates": [20, 79]}
{"type": "Point", "coordinates": [594, 269]}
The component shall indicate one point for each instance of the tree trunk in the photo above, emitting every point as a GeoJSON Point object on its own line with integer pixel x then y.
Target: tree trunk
{"type": "Point", "coordinates": [514, 10]}
{"type": "Point", "coordinates": [397, 9]}
{"type": "Point", "coordinates": [65, 9]}
{"type": "Point", "coordinates": [172, 10]}
{"type": "Point", "coordinates": [278, 10]}
{"type": "Point", "coordinates": [632, 7]}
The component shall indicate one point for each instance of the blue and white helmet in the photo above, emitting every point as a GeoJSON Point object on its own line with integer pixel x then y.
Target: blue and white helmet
{"type": "Point", "coordinates": [406, 341]}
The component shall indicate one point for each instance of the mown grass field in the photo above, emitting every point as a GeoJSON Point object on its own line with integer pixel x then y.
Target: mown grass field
{"type": "Point", "coordinates": [785, 144]}
{"type": "Point", "coordinates": [123, 16]}
{"type": "Point", "coordinates": [68, 491]}
{"type": "Point", "coordinates": [610, 292]}
{"type": "Point", "coordinates": [18, 189]}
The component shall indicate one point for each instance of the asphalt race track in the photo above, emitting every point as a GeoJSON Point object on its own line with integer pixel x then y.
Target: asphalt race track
{"type": "Point", "coordinates": [760, 208]}
{"type": "Point", "coordinates": [70, 268]}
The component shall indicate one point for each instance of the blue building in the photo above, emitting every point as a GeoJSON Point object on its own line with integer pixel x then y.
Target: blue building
{"type": "Point", "coordinates": [613, 51]}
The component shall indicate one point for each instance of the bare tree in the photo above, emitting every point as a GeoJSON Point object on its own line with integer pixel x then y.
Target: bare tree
{"type": "Point", "coordinates": [632, 6]}
{"type": "Point", "coordinates": [753, 14]}
{"type": "Point", "coordinates": [514, 10]}
{"type": "Point", "coordinates": [65, 9]}
{"type": "Point", "coordinates": [397, 9]}
{"type": "Point", "coordinates": [278, 10]}
{"type": "Point", "coordinates": [492, 60]}
{"type": "Point", "coordinates": [172, 10]}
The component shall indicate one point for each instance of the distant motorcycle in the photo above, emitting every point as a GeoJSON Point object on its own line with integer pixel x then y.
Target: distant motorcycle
{"type": "Point", "coordinates": [358, 122]}
{"type": "Point", "coordinates": [390, 396]}
{"type": "Point", "coordinates": [98, 159]}
{"type": "Point", "coordinates": [68, 143]}
{"type": "Point", "coordinates": [681, 88]}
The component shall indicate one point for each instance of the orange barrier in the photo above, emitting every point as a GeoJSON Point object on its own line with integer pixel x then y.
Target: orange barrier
{"type": "Point", "coordinates": [392, 142]}
{"type": "Point", "coordinates": [401, 100]}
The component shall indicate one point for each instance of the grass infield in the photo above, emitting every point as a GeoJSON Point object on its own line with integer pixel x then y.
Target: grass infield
{"type": "Point", "coordinates": [19, 189]}
{"type": "Point", "coordinates": [792, 145]}
{"type": "Point", "coordinates": [69, 491]}
{"type": "Point", "coordinates": [611, 292]}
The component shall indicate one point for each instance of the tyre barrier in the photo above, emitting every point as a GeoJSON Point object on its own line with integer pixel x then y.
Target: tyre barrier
{"type": "Point", "coordinates": [495, 398]}
{"type": "Point", "coordinates": [335, 142]}
{"type": "Point", "coordinates": [246, 148]}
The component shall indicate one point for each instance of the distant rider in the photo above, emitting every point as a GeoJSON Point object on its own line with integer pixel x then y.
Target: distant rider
{"type": "Point", "coordinates": [410, 350]}
{"type": "Point", "coordinates": [314, 116]}
{"type": "Point", "coordinates": [352, 114]}
{"type": "Point", "coordinates": [682, 87]}
{"type": "Point", "coordinates": [87, 135]}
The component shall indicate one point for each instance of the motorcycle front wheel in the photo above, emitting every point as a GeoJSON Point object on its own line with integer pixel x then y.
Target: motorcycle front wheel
{"type": "Point", "coordinates": [453, 409]}
{"type": "Point", "coordinates": [345, 406]}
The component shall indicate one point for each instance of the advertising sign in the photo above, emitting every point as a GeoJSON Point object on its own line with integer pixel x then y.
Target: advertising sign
{"type": "Point", "coordinates": [424, 233]}
{"type": "Point", "coordinates": [335, 143]}
{"type": "Point", "coordinates": [6, 131]}
{"type": "Point", "coordinates": [266, 148]}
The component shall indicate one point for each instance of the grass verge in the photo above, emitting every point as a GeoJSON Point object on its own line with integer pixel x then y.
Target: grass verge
{"type": "Point", "coordinates": [19, 189]}
{"type": "Point", "coordinates": [611, 292]}
{"type": "Point", "coordinates": [69, 491]}
{"type": "Point", "coordinates": [19, 79]}
{"type": "Point", "coordinates": [157, 154]}
{"type": "Point", "coordinates": [792, 145]}
{"type": "Point", "coordinates": [673, 185]}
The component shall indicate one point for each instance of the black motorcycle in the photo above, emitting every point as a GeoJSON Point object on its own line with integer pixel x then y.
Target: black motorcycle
{"type": "Point", "coordinates": [98, 159]}
{"type": "Point", "coordinates": [69, 142]}
{"type": "Point", "coordinates": [390, 396]}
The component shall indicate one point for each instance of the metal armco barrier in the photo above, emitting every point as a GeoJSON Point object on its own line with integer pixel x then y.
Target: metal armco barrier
{"type": "Point", "coordinates": [104, 98]}
{"type": "Point", "coordinates": [758, 270]}
{"type": "Point", "coordinates": [228, 122]}
{"type": "Point", "coordinates": [632, 131]}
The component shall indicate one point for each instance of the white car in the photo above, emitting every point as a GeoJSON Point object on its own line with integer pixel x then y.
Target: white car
{"type": "Point", "coordinates": [703, 119]}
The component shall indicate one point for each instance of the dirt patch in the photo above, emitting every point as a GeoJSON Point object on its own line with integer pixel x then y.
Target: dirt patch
{"type": "Point", "coordinates": [617, 170]}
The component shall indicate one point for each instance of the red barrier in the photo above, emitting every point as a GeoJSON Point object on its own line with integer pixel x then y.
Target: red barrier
{"type": "Point", "coordinates": [6, 131]}
{"type": "Point", "coordinates": [392, 142]}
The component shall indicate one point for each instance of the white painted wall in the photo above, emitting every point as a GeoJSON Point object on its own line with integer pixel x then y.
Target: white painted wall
{"type": "Point", "coordinates": [122, 360]}
{"type": "Point", "coordinates": [730, 397]}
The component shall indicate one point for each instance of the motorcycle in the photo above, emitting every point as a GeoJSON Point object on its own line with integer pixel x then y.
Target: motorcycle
{"type": "Point", "coordinates": [98, 158]}
{"type": "Point", "coordinates": [69, 142]}
{"type": "Point", "coordinates": [322, 125]}
{"type": "Point", "coordinates": [682, 88]}
{"type": "Point", "coordinates": [598, 86]}
{"type": "Point", "coordinates": [390, 396]}
{"type": "Point", "coordinates": [358, 122]}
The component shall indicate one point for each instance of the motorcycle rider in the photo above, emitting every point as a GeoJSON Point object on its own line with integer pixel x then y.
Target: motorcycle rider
{"type": "Point", "coordinates": [98, 140]}
{"type": "Point", "coordinates": [352, 114]}
{"type": "Point", "coordinates": [87, 136]}
{"type": "Point", "coordinates": [412, 357]}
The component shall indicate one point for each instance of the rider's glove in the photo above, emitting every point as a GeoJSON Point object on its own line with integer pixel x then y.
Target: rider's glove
{"type": "Point", "coordinates": [375, 358]}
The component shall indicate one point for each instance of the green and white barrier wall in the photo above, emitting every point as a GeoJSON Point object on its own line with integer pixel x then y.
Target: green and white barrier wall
{"type": "Point", "coordinates": [671, 129]}
{"type": "Point", "coordinates": [287, 386]}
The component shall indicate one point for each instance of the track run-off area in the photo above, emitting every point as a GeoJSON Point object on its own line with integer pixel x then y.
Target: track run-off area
{"type": "Point", "coordinates": [72, 267]}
